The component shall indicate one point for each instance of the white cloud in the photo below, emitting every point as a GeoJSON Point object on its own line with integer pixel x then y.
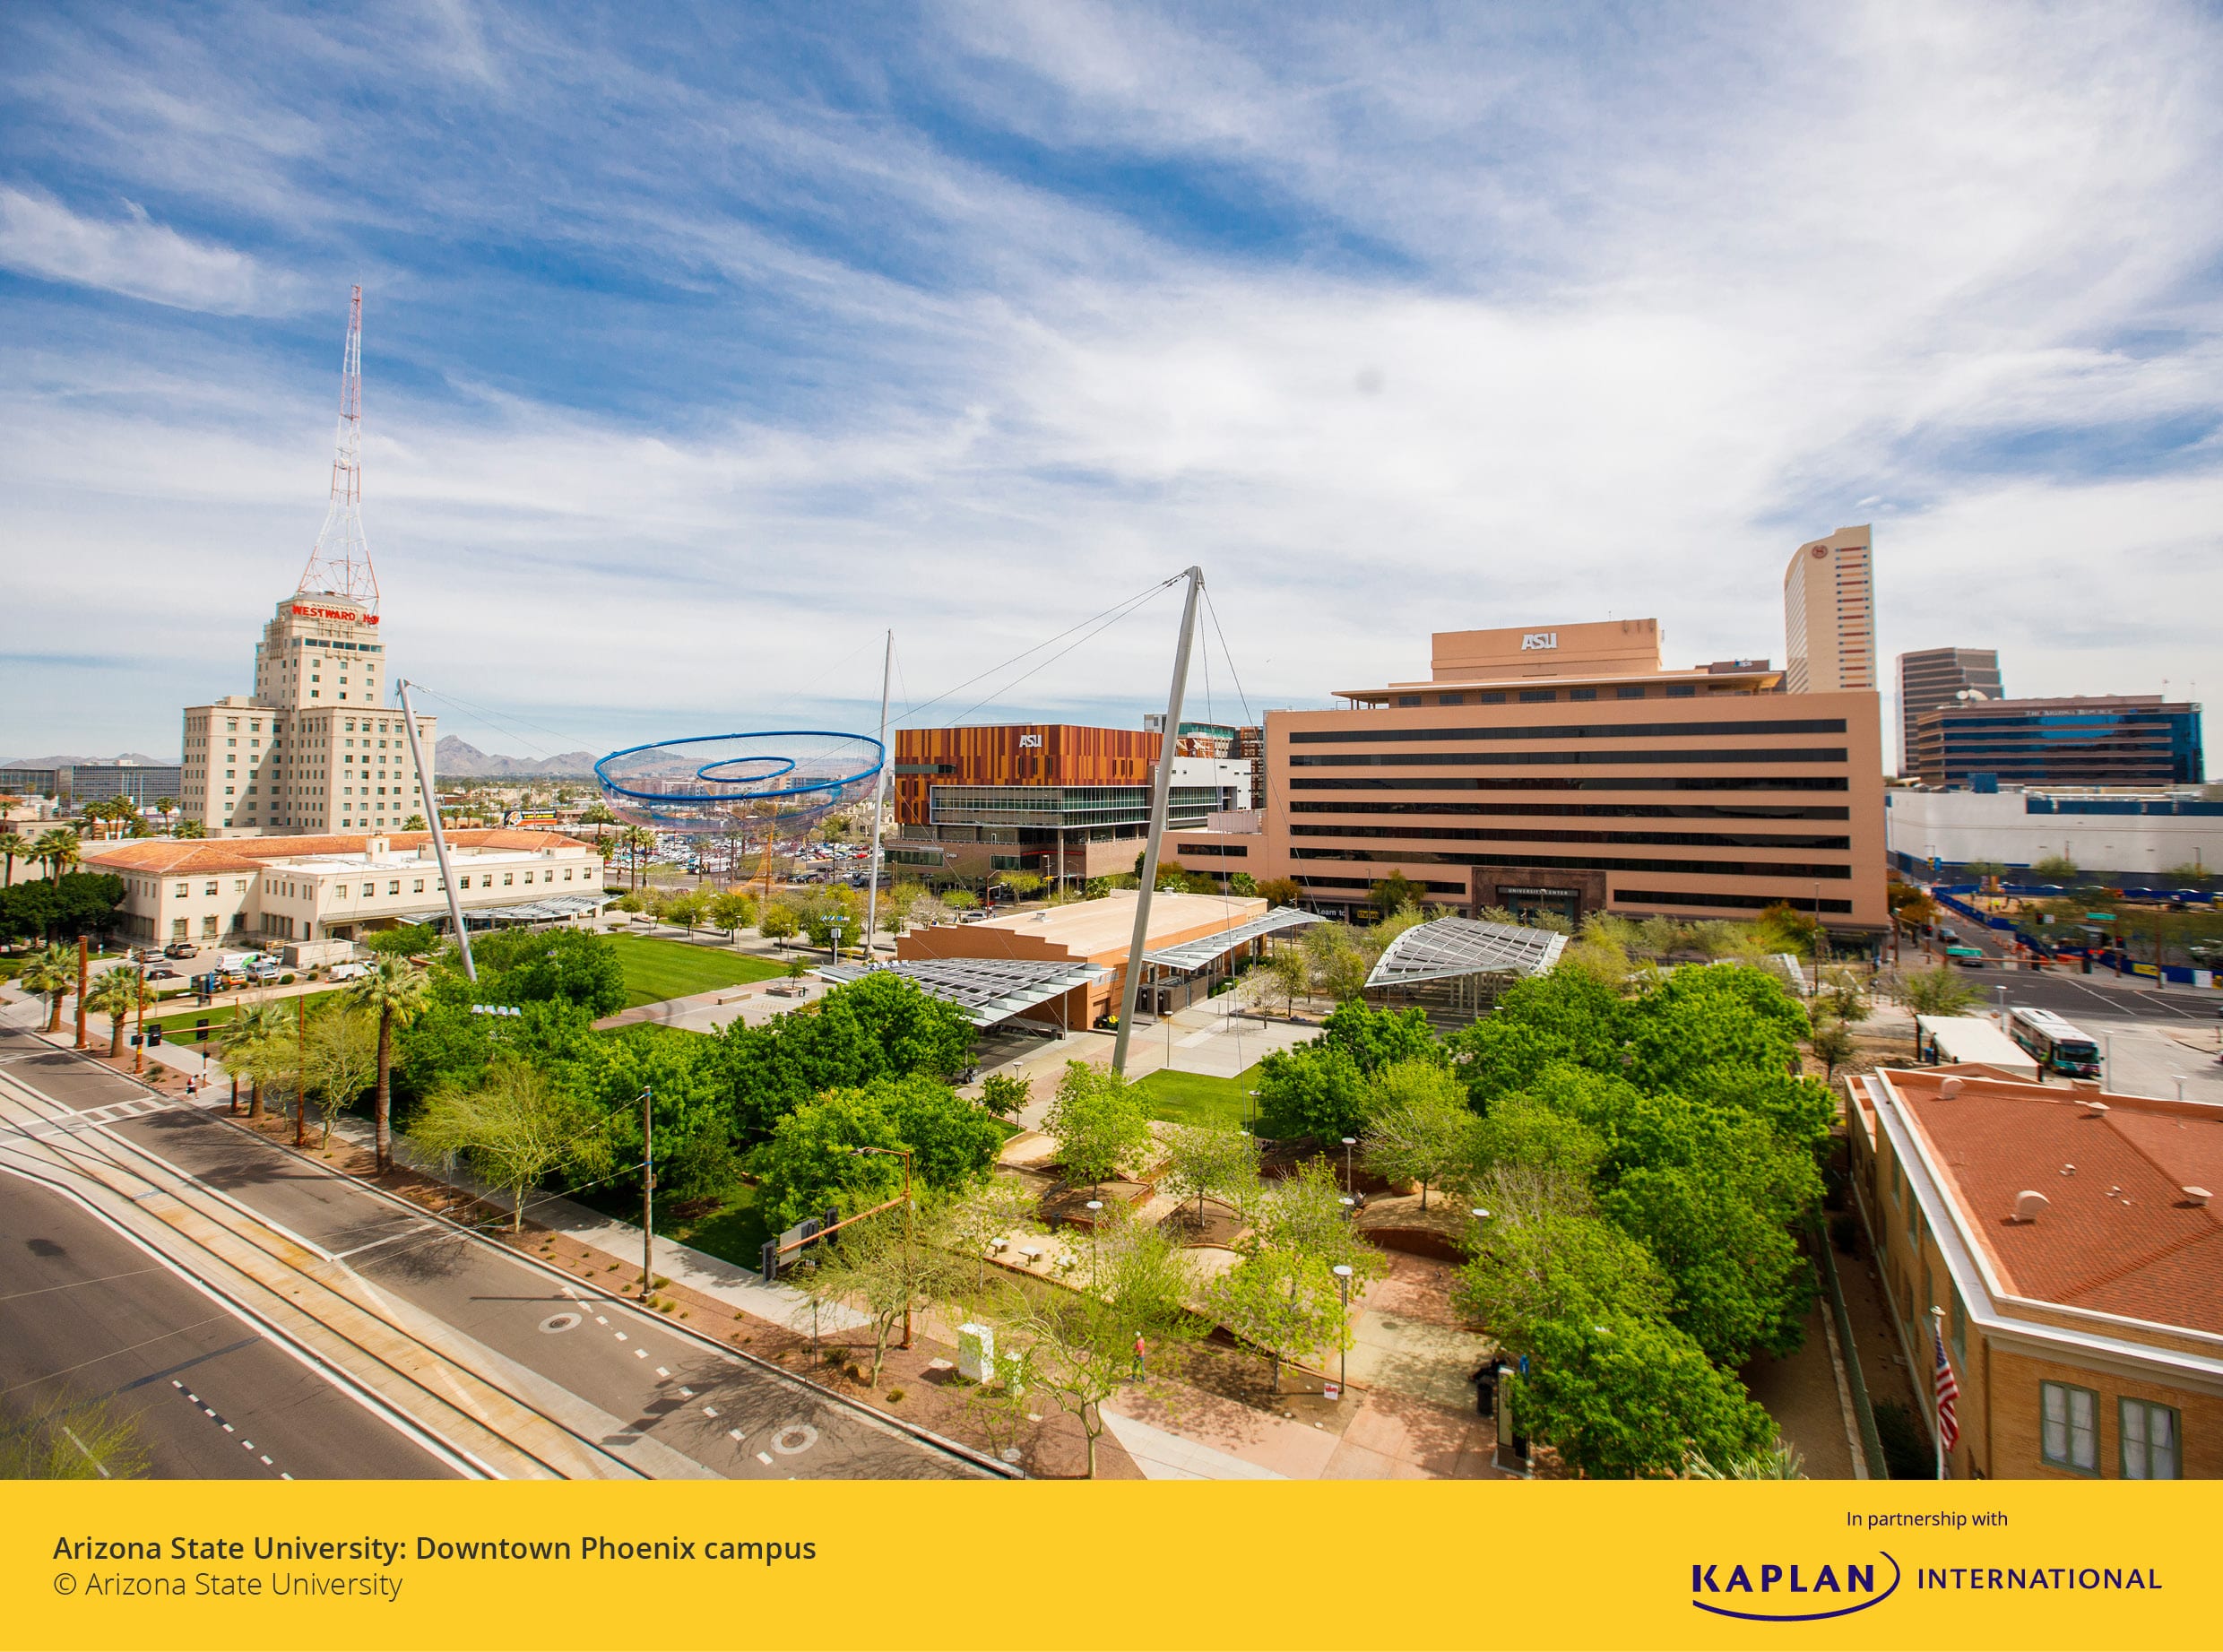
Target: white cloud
{"type": "Point", "coordinates": [134, 255]}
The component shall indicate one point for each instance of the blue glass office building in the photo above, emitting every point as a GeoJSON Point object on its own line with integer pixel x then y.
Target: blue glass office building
{"type": "Point", "coordinates": [2117, 740]}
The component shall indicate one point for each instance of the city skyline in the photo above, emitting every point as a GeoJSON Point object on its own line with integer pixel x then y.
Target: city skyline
{"type": "Point", "coordinates": [1002, 321]}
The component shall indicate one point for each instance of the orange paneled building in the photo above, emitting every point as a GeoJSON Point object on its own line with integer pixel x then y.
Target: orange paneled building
{"type": "Point", "coordinates": [1023, 754]}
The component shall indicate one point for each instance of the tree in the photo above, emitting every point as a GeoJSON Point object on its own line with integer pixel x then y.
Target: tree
{"type": "Point", "coordinates": [1098, 1121]}
{"type": "Point", "coordinates": [51, 972]}
{"type": "Point", "coordinates": [889, 1266]}
{"type": "Point", "coordinates": [415, 823]}
{"type": "Point", "coordinates": [896, 905]}
{"type": "Point", "coordinates": [1305, 1214]}
{"type": "Point", "coordinates": [1626, 1397]}
{"type": "Point", "coordinates": [960, 900]}
{"type": "Point", "coordinates": [1314, 1090]}
{"type": "Point", "coordinates": [57, 849]}
{"type": "Point", "coordinates": [397, 994]}
{"type": "Point", "coordinates": [1395, 893]}
{"type": "Point", "coordinates": [260, 1046]}
{"type": "Point", "coordinates": [1023, 885]}
{"type": "Point", "coordinates": [118, 994]}
{"type": "Point", "coordinates": [2055, 869]}
{"type": "Point", "coordinates": [1202, 1159]}
{"type": "Point", "coordinates": [685, 910]}
{"type": "Point", "coordinates": [513, 1130]}
{"type": "Point", "coordinates": [1984, 871]}
{"type": "Point", "coordinates": [189, 828]}
{"type": "Point", "coordinates": [342, 1062]}
{"type": "Point", "coordinates": [13, 847]}
{"type": "Point", "coordinates": [1831, 1042]}
{"type": "Point", "coordinates": [1078, 1345]}
{"type": "Point", "coordinates": [2189, 874]}
{"type": "Point", "coordinates": [1936, 991]}
{"type": "Point", "coordinates": [732, 910]}
{"type": "Point", "coordinates": [1784, 928]}
{"type": "Point", "coordinates": [1280, 891]}
{"type": "Point", "coordinates": [1286, 1305]}
{"type": "Point", "coordinates": [777, 921]}
{"type": "Point", "coordinates": [63, 1436]}
{"type": "Point", "coordinates": [1289, 974]}
{"type": "Point", "coordinates": [1005, 1093]}
{"type": "Point", "coordinates": [1419, 1127]}
{"type": "Point", "coordinates": [408, 940]}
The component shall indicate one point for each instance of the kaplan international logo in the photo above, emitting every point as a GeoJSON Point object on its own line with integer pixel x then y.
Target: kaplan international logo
{"type": "Point", "coordinates": [1792, 1592]}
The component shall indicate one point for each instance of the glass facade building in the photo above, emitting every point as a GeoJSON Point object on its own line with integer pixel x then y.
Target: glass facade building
{"type": "Point", "coordinates": [2099, 740]}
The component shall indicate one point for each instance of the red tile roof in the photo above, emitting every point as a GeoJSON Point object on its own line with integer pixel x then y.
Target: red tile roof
{"type": "Point", "coordinates": [163, 856]}
{"type": "Point", "coordinates": [2117, 1234]}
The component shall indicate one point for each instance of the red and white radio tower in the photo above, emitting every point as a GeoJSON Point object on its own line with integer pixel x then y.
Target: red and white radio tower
{"type": "Point", "coordinates": [340, 563]}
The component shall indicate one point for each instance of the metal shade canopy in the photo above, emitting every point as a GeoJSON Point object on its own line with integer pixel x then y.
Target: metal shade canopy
{"type": "Point", "coordinates": [1446, 948]}
{"type": "Point", "coordinates": [988, 990]}
{"type": "Point", "coordinates": [1191, 956]}
{"type": "Point", "coordinates": [541, 912]}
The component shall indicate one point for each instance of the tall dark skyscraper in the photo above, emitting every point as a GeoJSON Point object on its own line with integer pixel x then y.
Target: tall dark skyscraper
{"type": "Point", "coordinates": [1930, 678]}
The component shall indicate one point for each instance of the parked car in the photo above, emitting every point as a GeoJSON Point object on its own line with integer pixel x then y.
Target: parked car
{"type": "Point", "coordinates": [144, 955]}
{"type": "Point", "coordinates": [164, 973]}
{"type": "Point", "coordinates": [179, 949]}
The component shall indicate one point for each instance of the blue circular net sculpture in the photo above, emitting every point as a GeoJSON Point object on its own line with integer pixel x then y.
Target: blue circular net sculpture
{"type": "Point", "coordinates": [716, 784]}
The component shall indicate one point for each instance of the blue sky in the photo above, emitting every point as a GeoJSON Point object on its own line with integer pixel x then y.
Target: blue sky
{"type": "Point", "coordinates": [700, 346]}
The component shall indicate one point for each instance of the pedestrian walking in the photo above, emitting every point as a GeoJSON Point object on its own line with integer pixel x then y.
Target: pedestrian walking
{"type": "Point", "coordinates": [1141, 1350]}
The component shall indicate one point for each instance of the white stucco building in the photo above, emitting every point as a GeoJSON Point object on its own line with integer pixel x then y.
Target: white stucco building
{"type": "Point", "coordinates": [2103, 832]}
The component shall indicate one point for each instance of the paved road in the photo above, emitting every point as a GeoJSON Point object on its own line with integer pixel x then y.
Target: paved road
{"type": "Point", "coordinates": [85, 1312]}
{"type": "Point", "coordinates": [660, 1403]}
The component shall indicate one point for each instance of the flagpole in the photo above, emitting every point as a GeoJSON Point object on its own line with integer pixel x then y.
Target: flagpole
{"type": "Point", "coordinates": [1937, 1422]}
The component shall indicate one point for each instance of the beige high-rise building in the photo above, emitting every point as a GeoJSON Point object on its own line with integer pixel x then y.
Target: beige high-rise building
{"type": "Point", "coordinates": [312, 750]}
{"type": "Point", "coordinates": [1828, 615]}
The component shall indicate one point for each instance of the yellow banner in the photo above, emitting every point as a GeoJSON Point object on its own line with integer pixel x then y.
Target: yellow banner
{"type": "Point", "coordinates": [1127, 1564]}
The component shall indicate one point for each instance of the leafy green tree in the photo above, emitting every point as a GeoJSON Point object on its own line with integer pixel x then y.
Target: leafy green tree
{"type": "Point", "coordinates": [1626, 1398]}
{"type": "Point", "coordinates": [880, 1027]}
{"type": "Point", "coordinates": [1419, 1127]}
{"type": "Point", "coordinates": [1378, 1038]}
{"type": "Point", "coordinates": [1005, 1093]}
{"type": "Point", "coordinates": [1316, 1090]}
{"type": "Point", "coordinates": [2056, 869]}
{"type": "Point", "coordinates": [575, 966]}
{"type": "Point", "coordinates": [960, 900]}
{"type": "Point", "coordinates": [411, 940]}
{"type": "Point", "coordinates": [1099, 1123]}
{"type": "Point", "coordinates": [118, 994]}
{"type": "Point", "coordinates": [1935, 992]}
{"type": "Point", "coordinates": [1203, 1160]}
{"type": "Point", "coordinates": [1784, 928]}
{"type": "Point", "coordinates": [954, 1143]}
{"type": "Point", "coordinates": [686, 909]}
{"type": "Point", "coordinates": [732, 910]}
{"type": "Point", "coordinates": [894, 1264]}
{"type": "Point", "coordinates": [1831, 1042]}
{"type": "Point", "coordinates": [513, 1131]}
{"type": "Point", "coordinates": [1304, 1213]}
{"type": "Point", "coordinates": [58, 908]}
{"type": "Point", "coordinates": [1395, 892]}
{"type": "Point", "coordinates": [342, 1061]}
{"type": "Point", "coordinates": [1284, 1304]}
{"type": "Point", "coordinates": [777, 921]}
{"type": "Point", "coordinates": [1288, 975]}
{"type": "Point", "coordinates": [397, 994]}
{"type": "Point", "coordinates": [1242, 884]}
{"type": "Point", "coordinates": [61, 1436]}
{"type": "Point", "coordinates": [896, 903]}
{"type": "Point", "coordinates": [51, 972]}
{"type": "Point", "coordinates": [813, 1162]}
{"type": "Point", "coordinates": [1078, 1345]}
{"type": "Point", "coordinates": [1280, 891]}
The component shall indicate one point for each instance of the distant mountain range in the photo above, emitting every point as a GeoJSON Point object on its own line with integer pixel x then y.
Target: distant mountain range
{"type": "Point", "coordinates": [139, 757]}
{"type": "Point", "coordinates": [454, 758]}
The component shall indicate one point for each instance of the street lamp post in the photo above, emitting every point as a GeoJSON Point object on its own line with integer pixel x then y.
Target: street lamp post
{"type": "Point", "coordinates": [1349, 1142]}
{"type": "Point", "coordinates": [904, 1155]}
{"type": "Point", "coordinates": [1342, 1353]}
{"type": "Point", "coordinates": [1095, 1261]}
{"type": "Point", "coordinates": [833, 926]}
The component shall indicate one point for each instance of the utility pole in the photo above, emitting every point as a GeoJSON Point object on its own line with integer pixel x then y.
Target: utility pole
{"type": "Point", "coordinates": [301, 1071]}
{"type": "Point", "coordinates": [879, 805]}
{"type": "Point", "coordinates": [439, 837]}
{"type": "Point", "coordinates": [139, 1056]}
{"type": "Point", "coordinates": [648, 1196]}
{"type": "Point", "coordinates": [1161, 792]}
{"type": "Point", "coordinates": [84, 978]}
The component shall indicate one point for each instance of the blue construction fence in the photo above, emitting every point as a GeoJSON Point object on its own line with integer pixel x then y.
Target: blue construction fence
{"type": "Point", "coordinates": [2101, 957]}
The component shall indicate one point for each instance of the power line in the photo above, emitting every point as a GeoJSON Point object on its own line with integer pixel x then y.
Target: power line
{"type": "Point", "coordinates": [1113, 612]}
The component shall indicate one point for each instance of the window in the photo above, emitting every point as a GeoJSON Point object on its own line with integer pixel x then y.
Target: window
{"type": "Point", "coordinates": [185, 889]}
{"type": "Point", "coordinates": [208, 927]}
{"type": "Point", "coordinates": [508, 878]}
{"type": "Point", "coordinates": [1408, 699]}
{"type": "Point", "coordinates": [1582, 694]}
{"type": "Point", "coordinates": [1493, 697]}
{"type": "Point", "coordinates": [2150, 1441]}
{"type": "Point", "coordinates": [394, 887]}
{"type": "Point", "coordinates": [1450, 699]}
{"type": "Point", "coordinates": [2069, 1427]}
{"type": "Point", "coordinates": [419, 888]}
{"type": "Point", "coordinates": [1629, 691]}
{"type": "Point", "coordinates": [1537, 697]}
{"type": "Point", "coordinates": [528, 876]}
{"type": "Point", "coordinates": [566, 874]}
{"type": "Point", "coordinates": [1682, 691]}
{"type": "Point", "coordinates": [177, 928]}
{"type": "Point", "coordinates": [1961, 1333]}
{"type": "Point", "coordinates": [370, 888]}
{"type": "Point", "coordinates": [463, 882]}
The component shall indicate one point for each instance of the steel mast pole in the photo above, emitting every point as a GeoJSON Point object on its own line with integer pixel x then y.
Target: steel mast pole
{"type": "Point", "coordinates": [1161, 793]}
{"type": "Point", "coordinates": [879, 806]}
{"type": "Point", "coordinates": [439, 838]}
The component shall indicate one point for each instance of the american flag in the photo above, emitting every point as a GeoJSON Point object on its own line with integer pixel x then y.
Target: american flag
{"type": "Point", "coordinates": [1947, 1391]}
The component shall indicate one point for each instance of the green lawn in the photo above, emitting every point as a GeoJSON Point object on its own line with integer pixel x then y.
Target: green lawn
{"type": "Point", "coordinates": [733, 1229]}
{"type": "Point", "coordinates": [656, 970]}
{"type": "Point", "coordinates": [1198, 1098]}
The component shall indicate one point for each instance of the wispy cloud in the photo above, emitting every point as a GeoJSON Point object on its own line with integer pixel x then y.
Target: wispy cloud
{"type": "Point", "coordinates": [697, 355]}
{"type": "Point", "coordinates": [131, 255]}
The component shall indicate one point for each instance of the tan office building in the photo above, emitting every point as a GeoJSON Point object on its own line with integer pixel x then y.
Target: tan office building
{"type": "Point", "coordinates": [2070, 1241]}
{"type": "Point", "coordinates": [1828, 615]}
{"type": "Point", "coordinates": [1566, 769]}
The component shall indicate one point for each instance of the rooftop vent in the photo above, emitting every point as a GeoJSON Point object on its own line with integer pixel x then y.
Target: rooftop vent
{"type": "Point", "coordinates": [2068, 1169]}
{"type": "Point", "coordinates": [2096, 1109]}
{"type": "Point", "coordinates": [2195, 1196]}
{"type": "Point", "coordinates": [2028, 1204]}
{"type": "Point", "coordinates": [1949, 1089]}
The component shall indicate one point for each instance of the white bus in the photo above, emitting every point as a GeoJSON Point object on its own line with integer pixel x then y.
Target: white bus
{"type": "Point", "coordinates": [2059, 1047]}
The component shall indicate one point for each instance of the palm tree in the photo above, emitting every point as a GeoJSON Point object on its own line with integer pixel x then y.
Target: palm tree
{"type": "Point", "coordinates": [118, 994]}
{"type": "Point", "coordinates": [258, 1033]}
{"type": "Point", "coordinates": [165, 806]}
{"type": "Point", "coordinates": [51, 970]}
{"type": "Point", "coordinates": [57, 847]}
{"type": "Point", "coordinates": [189, 828]}
{"type": "Point", "coordinates": [13, 847]}
{"type": "Point", "coordinates": [398, 993]}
